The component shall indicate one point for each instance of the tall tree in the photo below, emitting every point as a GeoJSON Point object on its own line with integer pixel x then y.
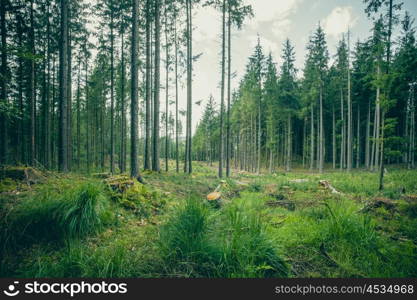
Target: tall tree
{"type": "Point", "coordinates": [134, 166]}
{"type": "Point", "coordinates": [155, 144]}
{"type": "Point", "coordinates": [63, 93]}
{"type": "Point", "coordinates": [147, 156]}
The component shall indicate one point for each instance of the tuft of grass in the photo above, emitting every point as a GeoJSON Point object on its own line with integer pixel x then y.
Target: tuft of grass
{"type": "Point", "coordinates": [78, 213]}
{"type": "Point", "coordinates": [336, 240]}
{"type": "Point", "coordinates": [184, 241]}
{"type": "Point", "coordinates": [247, 250]}
{"type": "Point", "coordinates": [56, 212]}
{"type": "Point", "coordinates": [233, 242]}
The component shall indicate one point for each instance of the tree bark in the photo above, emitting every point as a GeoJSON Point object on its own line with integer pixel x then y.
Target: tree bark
{"type": "Point", "coordinates": [63, 93]}
{"type": "Point", "coordinates": [221, 153]}
{"type": "Point", "coordinates": [155, 154]}
{"type": "Point", "coordinates": [148, 90]}
{"type": "Point", "coordinates": [134, 166]}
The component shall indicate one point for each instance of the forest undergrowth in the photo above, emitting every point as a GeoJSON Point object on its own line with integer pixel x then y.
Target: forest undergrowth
{"type": "Point", "coordinates": [279, 225]}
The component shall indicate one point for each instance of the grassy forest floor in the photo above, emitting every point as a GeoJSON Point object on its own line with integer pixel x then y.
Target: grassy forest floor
{"type": "Point", "coordinates": [280, 225]}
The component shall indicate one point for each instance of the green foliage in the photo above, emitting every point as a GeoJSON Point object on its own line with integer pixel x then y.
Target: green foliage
{"type": "Point", "coordinates": [184, 241]}
{"type": "Point", "coordinates": [236, 245]}
{"type": "Point", "coordinates": [338, 241]}
{"type": "Point", "coordinates": [56, 212]}
{"type": "Point", "coordinates": [247, 248]}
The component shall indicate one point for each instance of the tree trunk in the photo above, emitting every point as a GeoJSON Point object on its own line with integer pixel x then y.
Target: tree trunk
{"type": "Point", "coordinates": [166, 87]}
{"type": "Point", "coordinates": [221, 154]}
{"type": "Point", "coordinates": [32, 92]}
{"type": "Point", "coordinates": [342, 144]}
{"type": "Point", "coordinates": [112, 170]}
{"type": "Point", "coordinates": [334, 138]}
{"type": "Point", "coordinates": [78, 104]}
{"type": "Point", "coordinates": [177, 156]}
{"type": "Point", "coordinates": [358, 139]}
{"type": "Point", "coordinates": [229, 71]}
{"type": "Point", "coordinates": [123, 110]}
{"type": "Point", "coordinates": [148, 90]}
{"type": "Point", "coordinates": [189, 94]}
{"type": "Point", "coordinates": [311, 138]}
{"type": "Point", "coordinates": [63, 93]}
{"type": "Point", "coordinates": [134, 166]}
{"type": "Point", "coordinates": [367, 142]}
{"type": "Point", "coordinates": [289, 135]}
{"type": "Point", "coordinates": [155, 154]}
{"type": "Point", "coordinates": [321, 151]}
{"type": "Point", "coordinates": [4, 76]}
{"type": "Point", "coordinates": [381, 173]}
{"type": "Point", "coordinates": [349, 103]}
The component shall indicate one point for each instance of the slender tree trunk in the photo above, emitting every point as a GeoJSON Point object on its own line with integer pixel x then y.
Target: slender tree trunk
{"type": "Point", "coordinates": [342, 144]}
{"type": "Point", "coordinates": [358, 139]}
{"type": "Point", "coordinates": [412, 134]}
{"type": "Point", "coordinates": [349, 103]}
{"type": "Point", "coordinates": [112, 170]}
{"type": "Point", "coordinates": [177, 155]}
{"type": "Point", "coordinates": [289, 146]}
{"type": "Point", "coordinates": [221, 154]}
{"type": "Point", "coordinates": [334, 138]}
{"type": "Point", "coordinates": [187, 4]}
{"type": "Point", "coordinates": [123, 109]}
{"type": "Point", "coordinates": [69, 91]}
{"type": "Point", "coordinates": [381, 173]}
{"type": "Point", "coordinates": [166, 87]}
{"type": "Point", "coordinates": [20, 124]}
{"type": "Point", "coordinates": [134, 166]}
{"type": "Point", "coordinates": [63, 93]}
{"type": "Point", "coordinates": [155, 154]}
{"type": "Point", "coordinates": [229, 71]}
{"type": "Point", "coordinates": [4, 76]}
{"type": "Point", "coordinates": [312, 138]}
{"type": "Point", "coordinates": [377, 126]}
{"type": "Point", "coordinates": [32, 92]}
{"type": "Point", "coordinates": [148, 90]}
{"type": "Point", "coordinates": [87, 117]}
{"type": "Point", "coordinates": [304, 141]}
{"type": "Point", "coordinates": [321, 150]}
{"type": "Point", "coordinates": [367, 142]}
{"type": "Point", "coordinates": [189, 94]}
{"type": "Point", "coordinates": [78, 104]}
{"type": "Point", "coordinates": [48, 98]}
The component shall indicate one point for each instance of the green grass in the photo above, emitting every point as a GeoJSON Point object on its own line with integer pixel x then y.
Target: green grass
{"type": "Point", "coordinates": [267, 226]}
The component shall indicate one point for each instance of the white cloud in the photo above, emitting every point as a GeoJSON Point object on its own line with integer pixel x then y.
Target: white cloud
{"type": "Point", "coordinates": [207, 23]}
{"type": "Point", "coordinates": [338, 21]}
{"type": "Point", "coordinates": [280, 29]}
{"type": "Point", "coordinates": [265, 10]}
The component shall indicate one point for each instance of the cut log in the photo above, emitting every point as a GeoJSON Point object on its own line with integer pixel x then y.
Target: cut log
{"type": "Point", "coordinates": [214, 196]}
{"type": "Point", "coordinates": [326, 184]}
